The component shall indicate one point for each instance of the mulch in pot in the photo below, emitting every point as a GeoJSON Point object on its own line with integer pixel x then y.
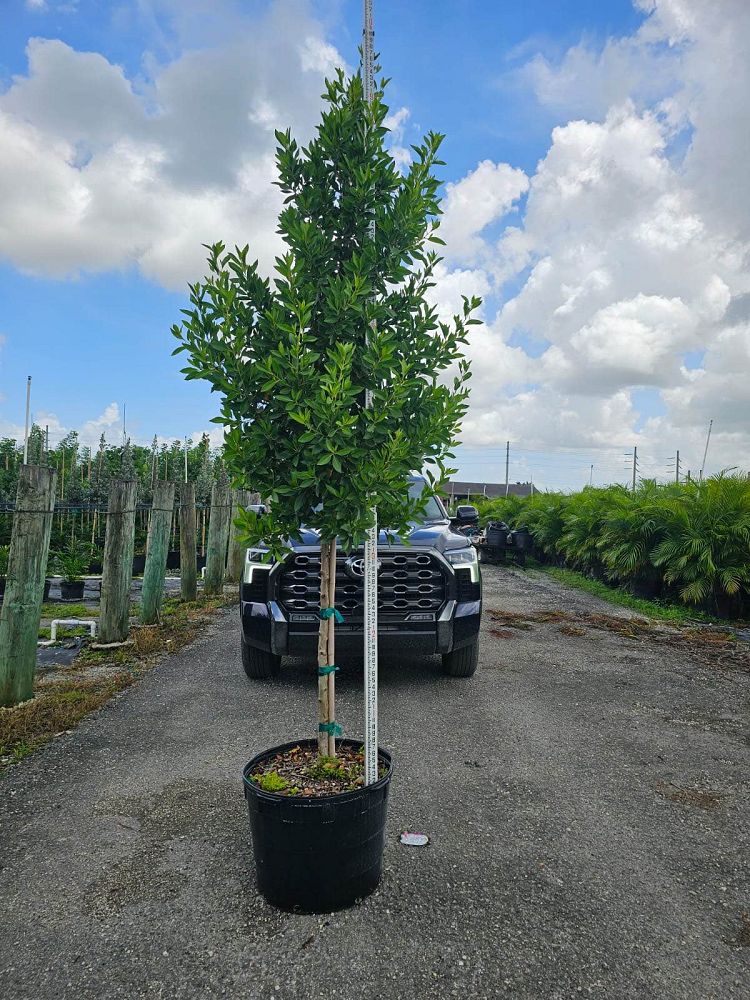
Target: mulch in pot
{"type": "Point", "coordinates": [300, 771]}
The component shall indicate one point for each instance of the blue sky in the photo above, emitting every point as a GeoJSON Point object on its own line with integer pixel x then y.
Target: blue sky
{"type": "Point", "coordinates": [496, 77]}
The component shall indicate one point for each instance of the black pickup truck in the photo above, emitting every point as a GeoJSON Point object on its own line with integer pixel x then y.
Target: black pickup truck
{"type": "Point", "coordinates": [429, 597]}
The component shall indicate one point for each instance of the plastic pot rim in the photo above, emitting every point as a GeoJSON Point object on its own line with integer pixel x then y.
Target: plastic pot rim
{"type": "Point", "coordinates": [310, 801]}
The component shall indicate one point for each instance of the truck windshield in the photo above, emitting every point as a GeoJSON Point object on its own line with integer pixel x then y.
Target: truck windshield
{"type": "Point", "coordinates": [433, 511]}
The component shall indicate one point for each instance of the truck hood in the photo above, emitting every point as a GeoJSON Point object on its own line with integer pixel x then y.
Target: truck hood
{"type": "Point", "coordinates": [436, 535]}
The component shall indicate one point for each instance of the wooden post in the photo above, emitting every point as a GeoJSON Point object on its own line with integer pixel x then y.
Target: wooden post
{"type": "Point", "coordinates": [323, 634]}
{"type": "Point", "coordinates": [188, 541]}
{"type": "Point", "coordinates": [218, 535]}
{"type": "Point", "coordinates": [24, 589]}
{"type": "Point", "coordinates": [117, 569]}
{"type": "Point", "coordinates": [236, 552]}
{"type": "Point", "coordinates": [157, 544]}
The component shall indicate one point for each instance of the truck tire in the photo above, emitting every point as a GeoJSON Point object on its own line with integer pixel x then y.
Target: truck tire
{"type": "Point", "coordinates": [258, 663]}
{"type": "Point", "coordinates": [461, 662]}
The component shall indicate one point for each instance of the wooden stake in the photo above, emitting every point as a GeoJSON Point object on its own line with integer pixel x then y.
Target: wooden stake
{"type": "Point", "coordinates": [218, 536]}
{"type": "Point", "coordinates": [117, 569]}
{"type": "Point", "coordinates": [236, 552]}
{"type": "Point", "coordinates": [188, 559]}
{"type": "Point", "coordinates": [331, 678]}
{"type": "Point", "coordinates": [157, 545]}
{"type": "Point", "coordinates": [24, 589]}
{"type": "Point", "coordinates": [323, 634]}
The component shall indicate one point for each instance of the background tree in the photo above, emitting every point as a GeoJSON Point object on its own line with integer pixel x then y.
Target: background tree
{"type": "Point", "coordinates": [292, 358]}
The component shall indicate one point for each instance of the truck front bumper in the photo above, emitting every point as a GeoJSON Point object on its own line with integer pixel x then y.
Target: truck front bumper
{"type": "Point", "coordinates": [266, 627]}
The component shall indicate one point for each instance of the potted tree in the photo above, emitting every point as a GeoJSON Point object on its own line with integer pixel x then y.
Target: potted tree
{"type": "Point", "coordinates": [292, 359]}
{"type": "Point", "coordinates": [71, 563]}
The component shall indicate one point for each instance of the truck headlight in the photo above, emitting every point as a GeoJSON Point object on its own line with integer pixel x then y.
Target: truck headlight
{"type": "Point", "coordinates": [256, 559]}
{"type": "Point", "coordinates": [465, 559]}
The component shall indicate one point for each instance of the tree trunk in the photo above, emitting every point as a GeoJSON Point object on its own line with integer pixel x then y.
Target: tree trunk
{"type": "Point", "coordinates": [24, 590]}
{"type": "Point", "coordinates": [323, 661]}
{"type": "Point", "coordinates": [331, 678]}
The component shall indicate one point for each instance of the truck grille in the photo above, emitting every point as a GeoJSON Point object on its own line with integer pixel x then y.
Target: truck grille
{"type": "Point", "coordinates": [408, 582]}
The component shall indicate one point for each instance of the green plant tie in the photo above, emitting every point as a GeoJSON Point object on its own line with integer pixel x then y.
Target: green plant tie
{"type": "Point", "coordinates": [332, 728]}
{"type": "Point", "coordinates": [327, 612]}
{"type": "Point", "coordinates": [324, 671]}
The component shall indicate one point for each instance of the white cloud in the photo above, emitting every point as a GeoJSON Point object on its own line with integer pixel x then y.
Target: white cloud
{"type": "Point", "coordinates": [633, 248]}
{"type": "Point", "coordinates": [97, 174]}
{"type": "Point", "coordinates": [480, 198]}
{"type": "Point", "coordinates": [624, 252]}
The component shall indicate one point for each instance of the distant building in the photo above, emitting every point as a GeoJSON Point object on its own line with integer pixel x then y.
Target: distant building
{"type": "Point", "coordinates": [455, 489]}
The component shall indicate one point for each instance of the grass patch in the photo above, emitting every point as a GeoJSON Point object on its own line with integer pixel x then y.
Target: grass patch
{"type": "Point", "coordinates": [63, 698]}
{"type": "Point", "coordinates": [64, 633]}
{"type": "Point", "coordinates": [69, 611]}
{"type": "Point", "coordinates": [615, 595]}
{"type": "Point", "coordinates": [55, 708]}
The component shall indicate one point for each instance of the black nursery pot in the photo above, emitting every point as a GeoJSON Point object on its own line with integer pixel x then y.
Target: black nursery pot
{"type": "Point", "coordinates": [72, 591]}
{"type": "Point", "coordinates": [318, 854]}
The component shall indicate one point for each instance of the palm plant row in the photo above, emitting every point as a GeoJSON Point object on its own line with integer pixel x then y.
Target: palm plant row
{"type": "Point", "coordinates": [689, 541]}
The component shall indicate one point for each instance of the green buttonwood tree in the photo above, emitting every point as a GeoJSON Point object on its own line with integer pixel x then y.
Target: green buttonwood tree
{"type": "Point", "coordinates": [344, 312]}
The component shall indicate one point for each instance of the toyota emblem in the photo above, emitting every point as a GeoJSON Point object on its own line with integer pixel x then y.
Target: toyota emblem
{"type": "Point", "coordinates": [355, 567]}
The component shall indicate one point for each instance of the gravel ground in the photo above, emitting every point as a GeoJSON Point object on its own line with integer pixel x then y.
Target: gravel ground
{"type": "Point", "coordinates": [586, 798]}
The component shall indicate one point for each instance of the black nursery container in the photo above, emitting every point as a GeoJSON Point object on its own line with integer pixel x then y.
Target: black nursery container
{"type": "Point", "coordinates": [496, 534]}
{"type": "Point", "coordinates": [522, 539]}
{"type": "Point", "coordinates": [72, 590]}
{"type": "Point", "coordinates": [318, 854]}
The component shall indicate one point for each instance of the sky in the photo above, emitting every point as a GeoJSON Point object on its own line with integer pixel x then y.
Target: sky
{"type": "Point", "coordinates": [596, 196]}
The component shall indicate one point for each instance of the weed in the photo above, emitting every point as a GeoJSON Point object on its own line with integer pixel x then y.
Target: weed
{"type": "Point", "coordinates": [327, 767]}
{"type": "Point", "coordinates": [270, 781]}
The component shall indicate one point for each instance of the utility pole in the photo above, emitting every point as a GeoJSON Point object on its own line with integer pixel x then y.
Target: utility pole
{"type": "Point", "coordinates": [591, 475]}
{"type": "Point", "coordinates": [708, 438]}
{"type": "Point", "coordinates": [677, 467]}
{"type": "Point", "coordinates": [507, 465]}
{"type": "Point", "coordinates": [635, 465]}
{"type": "Point", "coordinates": [26, 430]}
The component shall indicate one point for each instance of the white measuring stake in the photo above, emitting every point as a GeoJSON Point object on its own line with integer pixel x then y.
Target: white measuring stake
{"type": "Point", "coordinates": [371, 542]}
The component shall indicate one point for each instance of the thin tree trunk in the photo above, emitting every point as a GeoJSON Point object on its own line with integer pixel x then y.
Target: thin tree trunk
{"type": "Point", "coordinates": [331, 678]}
{"type": "Point", "coordinates": [323, 661]}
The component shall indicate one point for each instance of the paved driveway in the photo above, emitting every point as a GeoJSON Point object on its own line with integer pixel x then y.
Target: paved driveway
{"type": "Point", "coordinates": [586, 796]}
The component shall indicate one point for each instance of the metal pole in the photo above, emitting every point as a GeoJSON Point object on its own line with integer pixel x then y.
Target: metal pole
{"type": "Point", "coordinates": [708, 438]}
{"type": "Point", "coordinates": [371, 541]}
{"type": "Point", "coordinates": [635, 464]}
{"type": "Point", "coordinates": [507, 465]}
{"type": "Point", "coordinates": [26, 430]}
{"type": "Point", "coordinates": [591, 476]}
{"type": "Point", "coordinates": [677, 467]}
